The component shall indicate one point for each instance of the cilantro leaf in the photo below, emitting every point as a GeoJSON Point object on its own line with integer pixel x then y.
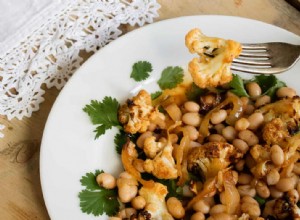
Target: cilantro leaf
{"type": "Point", "coordinates": [140, 70]}
{"type": "Point", "coordinates": [269, 84]}
{"type": "Point", "coordinates": [104, 114]}
{"type": "Point", "coordinates": [155, 95]}
{"type": "Point", "coordinates": [89, 180]}
{"type": "Point", "coordinates": [119, 140]}
{"type": "Point", "coordinates": [170, 77]}
{"type": "Point", "coordinates": [237, 86]}
{"type": "Point", "coordinates": [193, 92]}
{"type": "Point", "coordinates": [97, 200]}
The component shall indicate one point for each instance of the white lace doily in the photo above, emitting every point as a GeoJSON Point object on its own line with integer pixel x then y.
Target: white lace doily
{"type": "Point", "coordinates": [50, 54]}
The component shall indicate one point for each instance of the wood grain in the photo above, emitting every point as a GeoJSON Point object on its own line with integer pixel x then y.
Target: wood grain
{"type": "Point", "coordinates": [21, 195]}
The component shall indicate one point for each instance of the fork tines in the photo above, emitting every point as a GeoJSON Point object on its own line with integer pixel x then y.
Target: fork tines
{"type": "Point", "coordinates": [252, 55]}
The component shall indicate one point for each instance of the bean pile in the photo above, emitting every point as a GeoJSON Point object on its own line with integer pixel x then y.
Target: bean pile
{"type": "Point", "coordinates": [234, 157]}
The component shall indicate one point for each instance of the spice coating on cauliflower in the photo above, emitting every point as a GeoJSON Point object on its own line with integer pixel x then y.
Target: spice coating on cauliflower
{"type": "Point", "coordinates": [155, 201]}
{"type": "Point", "coordinates": [163, 164]}
{"type": "Point", "coordinates": [211, 158]}
{"type": "Point", "coordinates": [212, 67]}
{"type": "Point", "coordinates": [137, 113]}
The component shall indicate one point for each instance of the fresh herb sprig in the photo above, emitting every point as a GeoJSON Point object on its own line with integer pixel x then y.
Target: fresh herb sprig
{"type": "Point", "coordinates": [104, 114]}
{"type": "Point", "coordinates": [170, 77]}
{"type": "Point", "coordinates": [141, 70]}
{"type": "Point", "coordinates": [95, 199]}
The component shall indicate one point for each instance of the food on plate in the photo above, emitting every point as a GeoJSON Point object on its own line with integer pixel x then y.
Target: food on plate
{"type": "Point", "coordinates": [217, 147]}
{"type": "Point", "coordinates": [212, 67]}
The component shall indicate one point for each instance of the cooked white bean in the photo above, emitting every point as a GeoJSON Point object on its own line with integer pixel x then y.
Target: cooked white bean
{"type": "Point", "coordinates": [127, 192]}
{"type": "Point", "coordinates": [273, 177]}
{"type": "Point", "coordinates": [286, 184]}
{"type": "Point", "coordinates": [250, 208]}
{"type": "Point", "coordinates": [219, 208]}
{"type": "Point", "coordinates": [191, 118]}
{"type": "Point", "coordinates": [296, 168]}
{"type": "Point", "coordinates": [255, 120]}
{"type": "Point", "coordinates": [239, 166]}
{"type": "Point", "coordinates": [275, 193]}
{"type": "Point", "coordinates": [191, 106]}
{"type": "Point", "coordinates": [229, 133]}
{"type": "Point", "coordinates": [246, 190]}
{"type": "Point", "coordinates": [263, 100]}
{"type": "Point", "coordinates": [218, 117]}
{"type": "Point", "coordinates": [249, 109]}
{"type": "Point", "coordinates": [126, 213]}
{"type": "Point", "coordinates": [138, 202]}
{"type": "Point", "coordinates": [241, 145]}
{"type": "Point", "coordinates": [241, 124]}
{"type": "Point", "coordinates": [106, 180]}
{"type": "Point", "coordinates": [198, 216]}
{"type": "Point", "coordinates": [262, 189]}
{"type": "Point", "coordinates": [244, 178]}
{"type": "Point", "coordinates": [253, 89]}
{"type": "Point", "coordinates": [222, 216]}
{"type": "Point", "coordinates": [216, 137]}
{"type": "Point", "coordinates": [285, 92]}
{"type": "Point", "coordinates": [192, 131]}
{"type": "Point", "coordinates": [249, 137]}
{"type": "Point", "coordinates": [219, 128]}
{"type": "Point", "coordinates": [175, 207]}
{"type": "Point", "coordinates": [277, 155]}
{"type": "Point", "coordinates": [201, 206]}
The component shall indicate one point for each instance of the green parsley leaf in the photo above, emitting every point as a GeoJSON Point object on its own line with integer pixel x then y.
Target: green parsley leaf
{"type": "Point", "coordinates": [193, 92]}
{"type": "Point", "coordinates": [104, 114]}
{"type": "Point", "coordinates": [120, 139]}
{"type": "Point", "coordinates": [237, 86]}
{"type": "Point", "coordinates": [155, 95]}
{"type": "Point", "coordinates": [170, 77]}
{"type": "Point", "coordinates": [269, 84]}
{"type": "Point", "coordinates": [97, 200]}
{"type": "Point", "coordinates": [140, 70]}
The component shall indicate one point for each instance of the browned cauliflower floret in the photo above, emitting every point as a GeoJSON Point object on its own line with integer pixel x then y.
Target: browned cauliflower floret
{"type": "Point", "coordinates": [208, 159]}
{"type": "Point", "coordinates": [152, 147]}
{"type": "Point", "coordinates": [163, 165]}
{"type": "Point", "coordinates": [137, 113]}
{"type": "Point", "coordinates": [155, 201]}
{"type": "Point", "coordinates": [287, 109]}
{"type": "Point", "coordinates": [212, 68]}
{"type": "Point", "coordinates": [275, 131]}
{"type": "Point", "coordinates": [261, 156]}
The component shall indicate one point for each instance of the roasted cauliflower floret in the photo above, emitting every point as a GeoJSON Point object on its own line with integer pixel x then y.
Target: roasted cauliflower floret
{"type": "Point", "coordinates": [163, 165]}
{"type": "Point", "coordinates": [287, 109]}
{"type": "Point", "coordinates": [261, 155]}
{"type": "Point", "coordinates": [152, 147]}
{"type": "Point", "coordinates": [137, 113]}
{"type": "Point", "coordinates": [155, 201]}
{"type": "Point", "coordinates": [212, 67]}
{"type": "Point", "coordinates": [275, 131]}
{"type": "Point", "coordinates": [210, 158]}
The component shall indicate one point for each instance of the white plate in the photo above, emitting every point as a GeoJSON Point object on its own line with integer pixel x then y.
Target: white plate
{"type": "Point", "coordinates": [69, 149]}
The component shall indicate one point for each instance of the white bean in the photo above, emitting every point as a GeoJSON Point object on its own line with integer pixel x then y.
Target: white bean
{"type": "Point", "coordinates": [218, 117]}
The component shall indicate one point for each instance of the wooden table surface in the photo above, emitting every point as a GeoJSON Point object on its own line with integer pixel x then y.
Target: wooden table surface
{"type": "Point", "coordinates": [20, 190]}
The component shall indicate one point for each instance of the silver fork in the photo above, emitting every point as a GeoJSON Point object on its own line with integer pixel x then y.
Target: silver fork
{"type": "Point", "coordinates": [266, 58]}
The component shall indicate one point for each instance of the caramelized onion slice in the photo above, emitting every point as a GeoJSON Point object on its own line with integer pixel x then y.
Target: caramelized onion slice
{"type": "Point", "coordinates": [233, 116]}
